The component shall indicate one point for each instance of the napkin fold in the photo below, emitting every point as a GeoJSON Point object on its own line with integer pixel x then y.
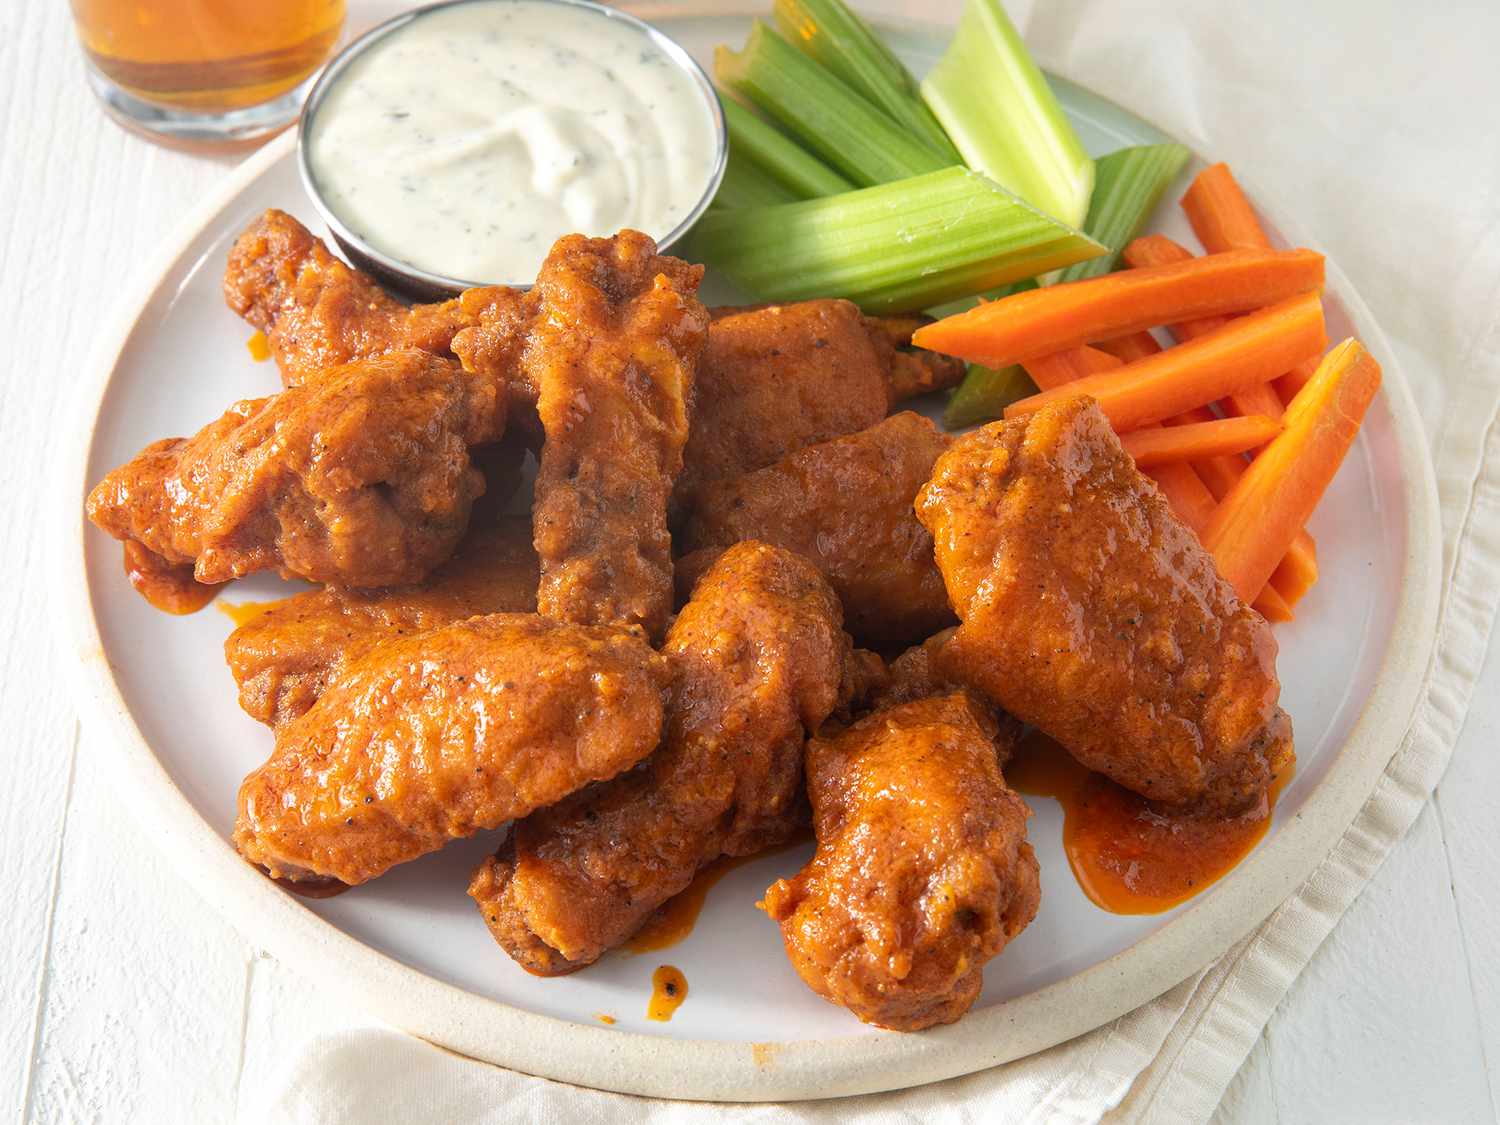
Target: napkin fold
{"type": "Point", "coordinates": [1375, 121]}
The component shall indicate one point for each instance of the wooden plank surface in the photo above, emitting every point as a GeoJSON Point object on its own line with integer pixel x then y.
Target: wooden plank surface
{"type": "Point", "coordinates": [123, 996]}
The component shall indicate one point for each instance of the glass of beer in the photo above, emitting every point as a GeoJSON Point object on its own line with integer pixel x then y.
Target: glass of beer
{"type": "Point", "coordinates": [206, 73]}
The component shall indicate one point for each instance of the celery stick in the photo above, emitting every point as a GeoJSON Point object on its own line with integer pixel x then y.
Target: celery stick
{"type": "Point", "coordinates": [1127, 187]}
{"type": "Point", "coordinates": [1001, 114]}
{"type": "Point", "coordinates": [761, 143]}
{"type": "Point", "coordinates": [823, 113]}
{"type": "Point", "coordinates": [829, 32]}
{"type": "Point", "coordinates": [893, 248]}
{"type": "Point", "coordinates": [746, 185]}
{"type": "Point", "coordinates": [984, 394]}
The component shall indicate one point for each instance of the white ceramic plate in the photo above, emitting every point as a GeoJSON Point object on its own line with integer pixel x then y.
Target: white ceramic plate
{"type": "Point", "coordinates": [411, 948]}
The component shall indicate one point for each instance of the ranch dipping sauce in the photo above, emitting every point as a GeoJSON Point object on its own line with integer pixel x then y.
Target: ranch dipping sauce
{"type": "Point", "coordinates": [469, 139]}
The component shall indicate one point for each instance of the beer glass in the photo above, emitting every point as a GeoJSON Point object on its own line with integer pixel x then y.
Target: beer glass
{"type": "Point", "coordinates": [215, 73]}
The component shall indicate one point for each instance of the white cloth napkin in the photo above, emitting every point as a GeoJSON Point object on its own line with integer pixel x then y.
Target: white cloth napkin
{"type": "Point", "coordinates": [1375, 121]}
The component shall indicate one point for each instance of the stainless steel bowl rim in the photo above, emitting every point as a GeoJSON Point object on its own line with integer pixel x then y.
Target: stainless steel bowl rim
{"type": "Point", "coordinates": [423, 279]}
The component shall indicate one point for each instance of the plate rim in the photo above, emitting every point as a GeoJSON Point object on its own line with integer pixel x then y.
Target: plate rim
{"type": "Point", "coordinates": [712, 1070]}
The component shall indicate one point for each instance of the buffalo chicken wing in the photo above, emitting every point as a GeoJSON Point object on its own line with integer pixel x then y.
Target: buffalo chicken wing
{"type": "Point", "coordinates": [432, 737]}
{"type": "Point", "coordinates": [1088, 610]}
{"type": "Point", "coordinates": [286, 657]}
{"type": "Point", "coordinates": [363, 478]}
{"type": "Point", "coordinates": [612, 355]}
{"type": "Point", "coordinates": [922, 871]}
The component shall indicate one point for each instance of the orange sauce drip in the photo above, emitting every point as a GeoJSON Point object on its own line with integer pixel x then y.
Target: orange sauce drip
{"type": "Point", "coordinates": [1128, 857]}
{"type": "Point", "coordinates": [260, 347]}
{"type": "Point", "coordinates": [605, 1018]}
{"type": "Point", "coordinates": [674, 919]}
{"type": "Point", "coordinates": [171, 589]}
{"type": "Point", "coordinates": [242, 613]}
{"type": "Point", "coordinates": [668, 990]}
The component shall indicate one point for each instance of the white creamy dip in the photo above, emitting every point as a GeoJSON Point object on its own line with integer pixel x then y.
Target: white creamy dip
{"type": "Point", "coordinates": [465, 142]}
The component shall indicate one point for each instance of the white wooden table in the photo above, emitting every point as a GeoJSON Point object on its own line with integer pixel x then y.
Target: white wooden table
{"type": "Point", "coordinates": [123, 997]}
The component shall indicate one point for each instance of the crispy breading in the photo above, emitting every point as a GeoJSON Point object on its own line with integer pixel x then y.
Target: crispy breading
{"type": "Point", "coordinates": [777, 378]}
{"type": "Point", "coordinates": [318, 313]}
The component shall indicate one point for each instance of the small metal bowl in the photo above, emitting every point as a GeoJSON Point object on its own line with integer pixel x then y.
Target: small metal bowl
{"type": "Point", "coordinates": [419, 284]}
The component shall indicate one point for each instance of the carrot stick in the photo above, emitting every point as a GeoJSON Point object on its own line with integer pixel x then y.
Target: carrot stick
{"type": "Point", "coordinates": [1255, 524]}
{"type": "Point", "coordinates": [1047, 320]}
{"type": "Point", "coordinates": [1298, 571]}
{"type": "Point", "coordinates": [1049, 371]}
{"type": "Point", "coordinates": [1222, 436]}
{"type": "Point", "coordinates": [1187, 495]}
{"type": "Point", "coordinates": [1218, 473]}
{"type": "Point", "coordinates": [1131, 347]}
{"type": "Point", "coordinates": [1156, 250]}
{"type": "Point", "coordinates": [1222, 217]}
{"type": "Point", "coordinates": [1294, 380]}
{"type": "Point", "coordinates": [1252, 349]}
{"type": "Point", "coordinates": [1212, 479]}
{"type": "Point", "coordinates": [1153, 250]}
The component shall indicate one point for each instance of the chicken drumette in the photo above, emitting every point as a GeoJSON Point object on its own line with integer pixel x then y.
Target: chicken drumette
{"type": "Point", "coordinates": [318, 313]}
{"type": "Point", "coordinates": [922, 871]}
{"type": "Point", "coordinates": [780, 377]}
{"type": "Point", "coordinates": [1088, 610]}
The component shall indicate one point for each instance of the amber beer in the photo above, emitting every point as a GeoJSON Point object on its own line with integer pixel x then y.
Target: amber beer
{"type": "Point", "coordinates": [207, 56]}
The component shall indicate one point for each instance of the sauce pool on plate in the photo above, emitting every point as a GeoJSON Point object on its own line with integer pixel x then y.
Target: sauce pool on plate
{"type": "Point", "coordinates": [1128, 857]}
{"type": "Point", "coordinates": [674, 919]}
{"type": "Point", "coordinates": [467, 140]}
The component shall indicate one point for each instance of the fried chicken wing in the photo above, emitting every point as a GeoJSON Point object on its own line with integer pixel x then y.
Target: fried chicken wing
{"type": "Point", "coordinates": [612, 355]}
{"type": "Point", "coordinates": [922, 871]}
{"type": "Point", "coordinates": [428, 738]}
{"type": "Point", "coordinates": [285, 658]}
{"type": "Point", "coordinates": [1091, 612]}
{"type": "Point", "coordinates": [779, 377]}
{"type": "Point", "coordinates": [757, 660]}
{"type": "Point", "coordinates": [362, 479]}
{"type": "Point", "coordinates": [318, 313]}
{"type": "Point", "coordinates": [845, 505]}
